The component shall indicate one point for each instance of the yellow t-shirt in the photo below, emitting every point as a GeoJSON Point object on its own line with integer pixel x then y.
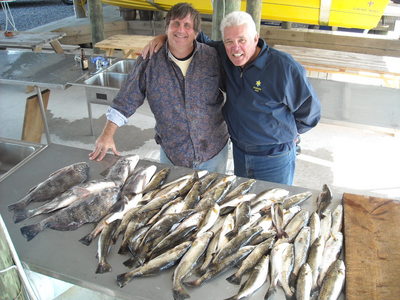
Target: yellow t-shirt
{"type": "Point", "coordinates": [182, 64]}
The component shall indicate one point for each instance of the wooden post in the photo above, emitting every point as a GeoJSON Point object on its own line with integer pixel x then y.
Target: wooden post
{"type": "Point", "coordinates": [79, 8]}
{"type": "Point", "coordinates": [218, 14]}
{"type": "Point", "coordinates": [232, 5]}
{"type": "Point", "coordinates": [97, 22]}
{"type": "Point", "coordinates": [253, 7]}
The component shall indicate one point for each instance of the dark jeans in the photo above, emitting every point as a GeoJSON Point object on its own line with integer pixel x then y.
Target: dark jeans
{"type": "Point", "coordinates": [277, 167]}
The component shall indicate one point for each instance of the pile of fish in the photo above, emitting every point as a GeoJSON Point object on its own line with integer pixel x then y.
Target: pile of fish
{"type": "Point", "coordinates": [201, 223]}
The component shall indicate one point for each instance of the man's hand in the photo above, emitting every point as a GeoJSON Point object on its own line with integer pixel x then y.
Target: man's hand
{"type": "Point", "coordinates": [153, 46]}
{"type": "Point", "coordinates": [104, 143]}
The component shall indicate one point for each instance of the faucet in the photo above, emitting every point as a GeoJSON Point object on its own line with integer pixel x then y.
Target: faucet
{"type": "Point", "coordinates": [100, 62]}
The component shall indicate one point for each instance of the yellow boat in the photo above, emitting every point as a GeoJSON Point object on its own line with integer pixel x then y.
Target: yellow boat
{"type": "Point", "coordinates": [363, 14]}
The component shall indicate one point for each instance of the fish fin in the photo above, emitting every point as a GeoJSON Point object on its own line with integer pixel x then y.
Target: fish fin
{"type": "Point", "coordinates": [292, 279]}
{"type": "Point", "coordinates": [122, 280]}
{"type": "Point", "coordinates": [231, 234]}
{"type": "Point", "coordinates": [30, 231]}
{"type": "Point", "coordinates": [20, 215]}
{"type": "Point", "coordinates": [132, 263]}
{"type": "Point", "coordinates": [180, 294]}
{"type": "Point", "coordinates": [103, 267]}
{"type": "Point", "coordinates": [87, 239]}
{"type": "Point", "coordinates": [234, 279]}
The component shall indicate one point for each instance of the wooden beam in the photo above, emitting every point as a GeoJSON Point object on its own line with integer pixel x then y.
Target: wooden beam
{"type": "Point", "coordinates": [253, 7]}
{"type": "Point", "coordinates": [96, 21]}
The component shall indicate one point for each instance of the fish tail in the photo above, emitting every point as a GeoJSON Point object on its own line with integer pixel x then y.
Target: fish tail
{"type": "Point", "coordinates": [18, 205]}
{"type": "Point", "coordinates": [87, 239]}
{"type": "Point", "coordinates": [180, 294]}
{"type": "Point", "coordinates": [103, 267]}
{"type": "Point", "coordinates": [234, 279]}
{"type": "Point", "coordinates": [196, 282]}
{"type": "Point", "coordinates": [123, 249]}
{"type": "Point", "coordinates": [30, 231]}
{"type": "Point", "coordinates": [270, 293]}
{"type": "Point", "coordinates": [20, 215]}
{"type": "Point", "coordinates": [123, 279]}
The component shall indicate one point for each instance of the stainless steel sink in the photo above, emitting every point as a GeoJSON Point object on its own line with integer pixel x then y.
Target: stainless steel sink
{"type": "Point", "coordinates": [107, 80]}
{"type": "Point", "coordinates": [122, 66]}
{"type": "Point", "coordinates": [14, 153]}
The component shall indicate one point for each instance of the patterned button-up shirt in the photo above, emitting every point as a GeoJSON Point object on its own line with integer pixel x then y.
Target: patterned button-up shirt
{"type": "Point", "coordinates": [188, 110]}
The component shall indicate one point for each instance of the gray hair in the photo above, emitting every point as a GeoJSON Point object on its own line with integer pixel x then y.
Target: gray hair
{"type": "Point", "coordinates": [237, 18]}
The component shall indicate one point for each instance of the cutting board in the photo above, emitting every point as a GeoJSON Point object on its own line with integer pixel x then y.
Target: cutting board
{"type": "Point", "coordinates": [372, 247]}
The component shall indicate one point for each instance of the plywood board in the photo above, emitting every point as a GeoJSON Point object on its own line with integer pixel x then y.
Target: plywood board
{"type": "Point", "coordinates": [372, 247]}
{"type": "Point", "coordinates": [33, 123]}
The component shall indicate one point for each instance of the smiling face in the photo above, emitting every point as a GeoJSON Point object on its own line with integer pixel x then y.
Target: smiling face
{"type": "Point", "coordinates": [240, 46]}
{"type": "Point", "coordinates": [181, 34]}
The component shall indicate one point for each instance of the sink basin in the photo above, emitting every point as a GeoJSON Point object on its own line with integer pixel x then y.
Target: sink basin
{"type": "Point", "coordinates": [107, 79]}
{"type": "Point", "coordinates": [15, 153]}
{"type": "Point", "coordinates": [122, 66]}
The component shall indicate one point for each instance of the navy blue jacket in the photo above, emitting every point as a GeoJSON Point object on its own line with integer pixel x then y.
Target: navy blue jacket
{"type": "Point", "coordinates": [270, 101]}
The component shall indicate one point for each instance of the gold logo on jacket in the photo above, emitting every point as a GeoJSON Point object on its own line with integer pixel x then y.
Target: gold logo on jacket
{"type": "Point", "coordinates": [257, 87]}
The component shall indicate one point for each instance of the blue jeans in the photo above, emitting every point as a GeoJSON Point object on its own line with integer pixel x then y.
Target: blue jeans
{"type": "Point", "coordinates": [278, 167]}
{"type": "Point", "coordinates": [216, 164]}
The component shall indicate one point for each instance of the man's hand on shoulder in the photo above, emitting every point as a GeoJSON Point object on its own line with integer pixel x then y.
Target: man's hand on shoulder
{"type": "Point", "coordinates": [153, 46]}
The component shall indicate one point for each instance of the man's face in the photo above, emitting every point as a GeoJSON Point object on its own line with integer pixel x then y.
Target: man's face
{"type": "Point", "coordinates": [180, 32]}
{"type": "Point", "coordinates": [239, 45]}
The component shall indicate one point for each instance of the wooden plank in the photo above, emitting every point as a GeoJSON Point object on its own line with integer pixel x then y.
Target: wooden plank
{"type": "Point", "coordinates": [130, 44]}
{"type": "Point", "coordinates": [372, 247]}
{"type": "Point", "coordinates": [32, 128]}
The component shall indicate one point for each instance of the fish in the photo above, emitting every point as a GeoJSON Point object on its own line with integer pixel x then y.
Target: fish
{"type": "Point", "coordinates": [287, 267]}
{"type": "Point", "coordinates": [223, 181]}
{"type": "Point", "coordinates": [296, 199]}
{"type": "Point", "coordinates": [295, 225]}
{"type": "Point", "coordinates": [209, 219]}
{"type": "Point", "coordinates": [277, 220]}
{"type": "Point", "coordinates": [207, 181]}
{"type": "Point", "coordinates": [137, 221]}
{"type": "Point", "coordinates": [124, 222]}
{"type": "Point", "coordinates": [337, 219]}
{"type": "Point", "coordinates": [332, 249]}
{"type": "Point", "coordinates": [326, 224]}
{"type": "Point", "coordinates": [87, 239]}
{"type": "Point", "coordinates": [133, 245]}
{"type": "Point", "coordinates": [242, 217]}
{"type": "Point", "coordinates": [222, 266]}
{"type": "Point", "coordinates": [272, 195]}
{"type": "Point", "coordinates": [57, 183]}
{"type": "Point", "coordinates": [263, 236]}
{"type": "Point", "coordinates": [214, 195]}
{"type": "Point", "coordinates": [173, 206]}
{"type": "Point", "coordinates": [256, 279]}
{"type": "Point", "coordinates": [88, 210]}
{"type": "Point", "coordinates": [159, 201]}
{"type": "Point", "coordinates": [315, 227]}
{"type": "Point", "coordinates": [301, 246]}
{"type": "Point", "coordinates": [179, 186]}
{"type": "Point", "coordinates": [314, 259]}
{"type": "Point", "coordinates": [104, 247]}
{"type": "Point", "coordinates": [251, 261]}
{"type": "Point", "coordinates": [122, 168]}
{"type": "Point", "coordinates": [210, 253]}
{"type": "Point", "coordinates": [162, 262]}
{"type": "Point", "coordinates": [65, 199]}
{"type": "Point", "coordinates": [136, 182]}
{"type": "Point", "coordinates": [242, 239]}
{"type": "Point", "coordinates": [281, 267]}
{"type": "Point", "coordinates": [324, 200]}
{"type": "Point", "coordinates": [187, 263]}
{"type": "Point", "coordinates": [241, 189]}
{"type": "Point", "coordinates": [304, 283]}
{"type": "Point", "coordinates": [124, 205]}
{"type": "Point", "coordinates": [157, 180]}
{"type": "Point", "coordinates": [193, 196]}
{"type": "Point", "coordinates": [333, 282]}
{"type": "Point", "coordinates": [227, 226]}
{"type": "Point", "coordinates": [230, 206]}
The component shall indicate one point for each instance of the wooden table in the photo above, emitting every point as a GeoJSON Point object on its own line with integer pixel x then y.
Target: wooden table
{"type": "Point", "coordinates": [386, 68]}
{"type": "Point", "coordinates": [131, 45]}
{"type": "Point", "coordinates": [32, 40]}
